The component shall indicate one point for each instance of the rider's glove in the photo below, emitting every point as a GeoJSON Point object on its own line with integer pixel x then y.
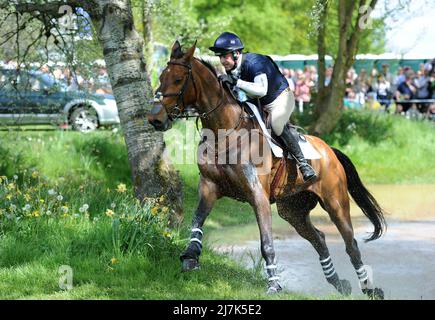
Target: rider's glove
{"type": "Point", "coordinates": [225, 78]}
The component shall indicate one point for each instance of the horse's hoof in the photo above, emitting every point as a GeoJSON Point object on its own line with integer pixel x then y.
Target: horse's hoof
{"type": "Point", "coordinates": [374, 294]}
{"type": "Point", "coordinates": [273, 287]}
{"type": "Point", "coordinates": [189, 265]}
{"type": "Point", "coordinates": [344, 288]}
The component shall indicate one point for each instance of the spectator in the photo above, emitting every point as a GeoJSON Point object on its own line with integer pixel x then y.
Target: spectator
{"type": "Point", "coordinates": [302, 90]}
{"type": "Point", "coordinates": [405, 91]}
{"type": "Point", "coordinates": [423, 85]}
{"type": "Point", "coordinates": [383, 91]}
{"type": "Point", "coordinates": [386, 73]}
{"type": "Point", "coordinates": [350, 101]}
{"type": "Point", "coordinates": [372, 103]}
{"type": "Point", "coordinates": [328, 76]}
{"type": "Point", "coordinates": [286, 73]}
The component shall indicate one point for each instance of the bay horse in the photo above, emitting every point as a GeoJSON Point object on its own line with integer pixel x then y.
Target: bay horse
{"type": "Point", "coordinates": [188, 81]}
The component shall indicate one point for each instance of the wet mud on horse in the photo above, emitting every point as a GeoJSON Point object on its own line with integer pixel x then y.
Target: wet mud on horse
{"type": "Point", "coordinates": [187, 81]}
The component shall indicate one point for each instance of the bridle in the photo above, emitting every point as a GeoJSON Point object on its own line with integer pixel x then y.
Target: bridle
{"type": "Point", "coordinates": [181, 112]}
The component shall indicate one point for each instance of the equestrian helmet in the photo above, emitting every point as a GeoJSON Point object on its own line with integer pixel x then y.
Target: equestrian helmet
{"type": "Point", "coordinates": [227, 42]}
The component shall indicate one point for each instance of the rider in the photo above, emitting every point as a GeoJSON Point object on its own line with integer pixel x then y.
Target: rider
{"type": "Point", "coordinates": [259, 77]}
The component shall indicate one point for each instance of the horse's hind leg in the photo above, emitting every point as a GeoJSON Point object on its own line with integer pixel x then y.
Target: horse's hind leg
{"type": "Point", "coordinates": [296, 212]}
{"type": "Point", "coordinates": [338, 208]}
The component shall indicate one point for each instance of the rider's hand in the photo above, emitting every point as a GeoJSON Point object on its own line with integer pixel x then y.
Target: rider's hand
{"type": "Point", "coordinates": [228, 79]}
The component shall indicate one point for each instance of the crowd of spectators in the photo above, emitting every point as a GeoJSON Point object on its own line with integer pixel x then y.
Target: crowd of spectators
{"type": "Point", "coordinates": [93, 78]}
{"type": "Point", "coordinates": [408, 92]}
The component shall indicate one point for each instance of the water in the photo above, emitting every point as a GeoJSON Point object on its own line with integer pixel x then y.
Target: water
{"type": "Point", "coordinates": [403, 260]}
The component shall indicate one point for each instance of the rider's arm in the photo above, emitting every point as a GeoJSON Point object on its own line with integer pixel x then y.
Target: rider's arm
{"type": "Point", "coordinates": [257, 89]}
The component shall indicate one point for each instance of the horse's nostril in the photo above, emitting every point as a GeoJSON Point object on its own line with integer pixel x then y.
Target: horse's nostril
{"type": "Point", "coordinates": [157, 123]}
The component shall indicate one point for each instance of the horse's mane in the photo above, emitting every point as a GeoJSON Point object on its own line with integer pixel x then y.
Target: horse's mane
{"type": "Point", "coordinates": [209, 66]}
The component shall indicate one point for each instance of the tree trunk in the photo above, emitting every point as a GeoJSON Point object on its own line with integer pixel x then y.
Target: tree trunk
{"type": "Point", "coordinates": [152, 175]}
{"type": "Point", "coordinates": [329, 104]}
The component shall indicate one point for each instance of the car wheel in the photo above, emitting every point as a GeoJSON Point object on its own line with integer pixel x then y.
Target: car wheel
{"type": "Point", "coordinates": [84, 119]}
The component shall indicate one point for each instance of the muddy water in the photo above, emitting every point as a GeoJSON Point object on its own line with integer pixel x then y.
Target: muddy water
{"type": "Point", "coordinates": [403, 261]}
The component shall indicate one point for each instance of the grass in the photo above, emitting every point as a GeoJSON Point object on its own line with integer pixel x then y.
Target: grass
{"type": "Point", "coordinates": [118, 249]}
{"type": "Point", "coordinates": [66, 200]}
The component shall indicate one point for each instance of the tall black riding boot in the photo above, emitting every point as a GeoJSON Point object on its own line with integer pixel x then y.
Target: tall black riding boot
{"type": "Point", "coordinates": [292, 146]}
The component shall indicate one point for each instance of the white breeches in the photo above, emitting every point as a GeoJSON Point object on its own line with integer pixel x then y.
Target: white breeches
{"type": "Point", "coordinates": [280, 110]}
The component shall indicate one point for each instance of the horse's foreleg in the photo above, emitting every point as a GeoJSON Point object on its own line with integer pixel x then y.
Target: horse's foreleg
{"type": "Point", "coordinates": [208, 194]}
{"type": "Point", "coordinates": [263, 214]}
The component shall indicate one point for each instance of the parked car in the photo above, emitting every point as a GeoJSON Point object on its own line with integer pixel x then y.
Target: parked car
{"type": "Point", "coordinates": [32, 97]}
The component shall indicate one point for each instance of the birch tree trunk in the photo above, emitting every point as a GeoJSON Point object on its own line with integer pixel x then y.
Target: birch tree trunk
{"type": "Point", "coordinates": [152, 174]}
{"type": "Point", "coordinates": [123, 52]}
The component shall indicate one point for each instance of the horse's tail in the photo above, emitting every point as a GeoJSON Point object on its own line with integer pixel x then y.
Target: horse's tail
{"type": "Point", "coordinates": [363, 198]}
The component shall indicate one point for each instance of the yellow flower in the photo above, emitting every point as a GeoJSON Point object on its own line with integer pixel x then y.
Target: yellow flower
{"type": "Point", "coordinates": [2, 178]}
{"type": "Point", "coordinates": [27, 197]}
{"type": "Point", "coordinates": [108, 190]}
{"type": "Point", "coordinates": [113, 260]}
{"type": "Point", "coordinates": [165, 210]}
{"type": "Point", "coordinates": [41, 200]}
{"type": "Point", "coordinates": [9, 196]}
{"type": "Point", "coordinates": [35, 174]}
{"type": "Point", "coordinates": [167, 234]}
{"type": "Point", "coordinates": [11, 186]}
{"type": "Point", "coordinates": [121, 188]}
{"type": "Point", "coordinates": [36, 214]}
{"type": "Point", "coordinates": [162, 198]}
{"type": "Point", "coordinates": [109, 213]}
{"type": "Point", "coordinates": [154, 210]}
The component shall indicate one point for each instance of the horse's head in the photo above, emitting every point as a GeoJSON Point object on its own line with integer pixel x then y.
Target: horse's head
{"type": "Point", "coordinates": [176, 91]}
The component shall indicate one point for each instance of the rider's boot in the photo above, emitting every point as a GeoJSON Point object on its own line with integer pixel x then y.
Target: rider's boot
{"type": "Point", "coordinates": [292, 146]}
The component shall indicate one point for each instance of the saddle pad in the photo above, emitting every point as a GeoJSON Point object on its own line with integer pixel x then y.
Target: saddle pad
{"type": "Point", "coordinates": [306, 147]}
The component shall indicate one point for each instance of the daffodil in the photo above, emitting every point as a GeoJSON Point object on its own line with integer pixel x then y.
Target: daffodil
{"type": "Point", "coordinates": [109, 213]}
{"type": "Point", "coordinates": [36, 214]}
{"type": "Point", "coordinates": [121, 188]}
{"type": "Point", "coordinates": [154, 211]}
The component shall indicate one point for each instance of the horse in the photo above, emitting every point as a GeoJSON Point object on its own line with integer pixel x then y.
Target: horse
{"type": "Point", "coordinates": [190, 82]}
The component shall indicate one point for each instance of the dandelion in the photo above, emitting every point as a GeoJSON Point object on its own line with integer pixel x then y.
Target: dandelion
{"type": "Point", "coordinates": [121, 188]}
{"type": "Point", "coordinates": [15, 177]}
{"type": "Point", "coordinates": [51, 192]}
{"type": "Point", "coordinates": [113, 205]}
{"type": "Point", "coordinates": [11, 186]}
{"type": "Point", "coordinates": [60, 197]}
{"type": "Point", "coordinates": [167, 234]}
{"type": "Point", "coordinates": [9, 196]}
{"type": "Point", "coordinates": [12, 207]}
{"type": "Point", "coordinates": [41, 200]}
{"type": "Point", "coordinates": [48, 213]}
{"type": "Point", "coordinates": [35, 174]}
{"type": "Point", "coordinates": [154, 211]}
{"type": "Point", "coordinates": [84, 208]}
{"type": "Point", "coordinates": [109, 213]}
{"type": "Point", "coordinates": [64, 209]}
{"type": "Point", "coordinates": [26, 207]}
{"type": "Point", "coordinates": [113, 260]}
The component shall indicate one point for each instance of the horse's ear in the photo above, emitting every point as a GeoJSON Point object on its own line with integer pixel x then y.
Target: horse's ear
{"type": "Point", "coordinates": [189, 54]}
{"type": "Point", "coordinates": [176, 52]}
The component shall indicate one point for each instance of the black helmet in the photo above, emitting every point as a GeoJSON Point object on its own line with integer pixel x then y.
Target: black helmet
{"type": "Point", "coordinates": [227, 42]}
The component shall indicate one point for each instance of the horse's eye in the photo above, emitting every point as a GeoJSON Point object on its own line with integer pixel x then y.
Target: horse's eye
{"type": "Point", "coordinates": [178, 81]}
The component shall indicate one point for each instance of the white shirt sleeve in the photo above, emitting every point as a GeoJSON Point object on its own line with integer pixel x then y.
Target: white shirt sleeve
{"type": "Point", "coordinates": [257, 89]}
